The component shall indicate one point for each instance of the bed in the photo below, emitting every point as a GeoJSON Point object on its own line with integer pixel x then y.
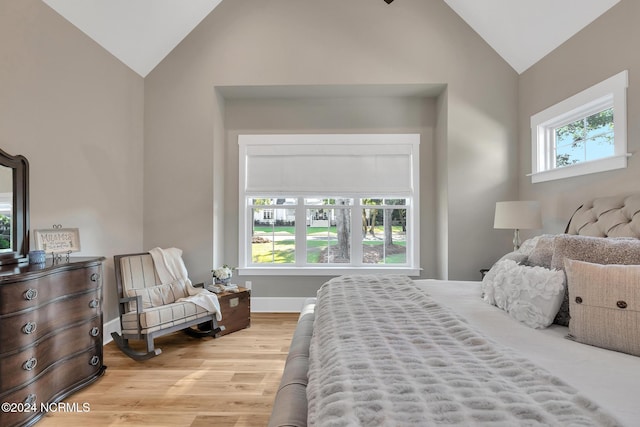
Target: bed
{"type": "Point", "coordinates": [480, 361]}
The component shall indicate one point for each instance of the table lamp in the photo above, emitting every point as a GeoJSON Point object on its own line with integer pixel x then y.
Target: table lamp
{"type": "Point", "coordinates": [517, 215]}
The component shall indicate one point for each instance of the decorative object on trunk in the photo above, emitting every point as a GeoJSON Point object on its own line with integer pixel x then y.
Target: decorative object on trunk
{"type": "Point", "coordinates": [222, 274]}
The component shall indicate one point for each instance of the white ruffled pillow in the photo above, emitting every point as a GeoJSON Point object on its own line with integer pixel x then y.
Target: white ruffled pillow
{"type": "Point", "coordinates": [531, 295]}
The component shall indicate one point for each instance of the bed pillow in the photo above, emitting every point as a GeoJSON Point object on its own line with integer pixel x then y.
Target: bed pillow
{"type": "Point", "coordinates": [599, 250]}
{"type": "Point", "coordinates": [517, 257]}
{"type": "Point", "coordinates": [531, 295]}
{"type": "Point", "coordinates": [605, 305]}
{"type": "Point", "coordinates": [542, 253]}
{"type": "Point", "coordinates": [528, 245]}
{"type": "Point", "coordinates": [521, 254]}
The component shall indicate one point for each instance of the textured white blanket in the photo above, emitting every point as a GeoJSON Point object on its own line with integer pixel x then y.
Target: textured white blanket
{"type": "Point", "coordinates": [170, 268]}
{"type": "Point", "coordinates": [383, 353]}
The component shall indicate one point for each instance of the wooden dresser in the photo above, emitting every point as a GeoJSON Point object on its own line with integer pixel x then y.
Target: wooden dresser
{"type": "Point", "coordinates": [50, 334]}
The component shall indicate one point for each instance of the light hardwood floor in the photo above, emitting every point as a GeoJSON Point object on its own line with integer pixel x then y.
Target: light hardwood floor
{"type": "Point", "coordinates": [228, 381]}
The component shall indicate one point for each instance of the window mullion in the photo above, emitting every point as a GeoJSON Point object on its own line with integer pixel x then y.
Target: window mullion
{"type": "Point", "coordinates": [356, 233]}
{"type": "Point", "coordinates": [550, 149]}
{"type": "Point", "coordinates": [246, 232]}
{"type": "Point", "coordinates": [301, 233]}
{"type": "Point", "coordinates": [409, 223]}
{"type": "Point", "coordinates": [584, 137]}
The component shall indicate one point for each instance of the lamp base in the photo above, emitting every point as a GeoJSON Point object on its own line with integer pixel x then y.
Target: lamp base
{"type": "Point", "coordinates": [516, 239]}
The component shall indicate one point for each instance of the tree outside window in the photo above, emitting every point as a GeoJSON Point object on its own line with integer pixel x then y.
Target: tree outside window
{"type": "Point", "coordinates": [586, 139]}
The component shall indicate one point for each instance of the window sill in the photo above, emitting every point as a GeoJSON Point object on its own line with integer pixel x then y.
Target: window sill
{"type": "Point", "coordinates": [584, 168]}
{"type": "Point", "coordinates": [324, 271]}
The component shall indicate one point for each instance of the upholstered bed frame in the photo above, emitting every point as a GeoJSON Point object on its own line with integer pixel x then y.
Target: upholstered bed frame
{"type": "Point", "coordinates": [290, 405]}
{"type": "Point", "coordinates": [617, 216]}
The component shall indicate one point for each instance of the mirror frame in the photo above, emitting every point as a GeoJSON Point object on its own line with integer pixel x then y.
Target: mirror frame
{"type": "Point", "coordinates": [20, 219]}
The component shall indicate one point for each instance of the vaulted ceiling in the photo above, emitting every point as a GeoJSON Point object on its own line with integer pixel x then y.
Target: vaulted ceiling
{"type": "Point", "coordinates": [140, 33]}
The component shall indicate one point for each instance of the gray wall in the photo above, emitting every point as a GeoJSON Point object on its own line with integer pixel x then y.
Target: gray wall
{"type": "Point", "coordinates": [76, 113]}
{"type": "Point", "coordinates": [604, 48]}
{"type": "Point", "coordinates": [249, 43]}
{"type": "Point", "coordinates": [90, 126]}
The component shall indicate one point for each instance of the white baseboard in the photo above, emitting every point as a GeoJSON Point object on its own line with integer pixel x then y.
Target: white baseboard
{"type": "Point", "coordinates": [110, 326]}
{"type": "Point", "coordinates": [277, 304]}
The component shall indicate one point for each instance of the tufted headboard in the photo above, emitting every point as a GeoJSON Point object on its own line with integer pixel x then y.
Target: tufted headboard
{"type": "Point", "coordinates": [615, 216]}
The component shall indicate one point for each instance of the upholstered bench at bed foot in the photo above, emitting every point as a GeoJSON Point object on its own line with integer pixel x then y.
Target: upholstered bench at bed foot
{"type": "Point", "coordinates": [290, 404]}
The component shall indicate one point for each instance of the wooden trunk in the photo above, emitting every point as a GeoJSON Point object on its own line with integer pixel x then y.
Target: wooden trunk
{"type": "Point", "coordinates": [236, 310]}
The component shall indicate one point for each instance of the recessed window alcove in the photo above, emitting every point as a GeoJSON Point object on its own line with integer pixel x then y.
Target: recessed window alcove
{"type": "Point", "coordinates": [327, 109]}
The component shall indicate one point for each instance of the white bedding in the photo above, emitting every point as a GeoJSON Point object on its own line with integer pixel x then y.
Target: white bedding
{"type": "Point", "coordinates": [610, 379]}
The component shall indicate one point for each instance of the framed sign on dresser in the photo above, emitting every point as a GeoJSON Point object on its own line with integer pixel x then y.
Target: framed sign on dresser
{"type": "Point", "coordinates": [50, 334]}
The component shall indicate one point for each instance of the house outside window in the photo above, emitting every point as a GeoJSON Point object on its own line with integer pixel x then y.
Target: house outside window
{"type": "Point", "coordinates": [582, 134]}
{"type": "Point", "coordinates": [267, 214]}
{"type": "Point", "coordinates": [336, 203]}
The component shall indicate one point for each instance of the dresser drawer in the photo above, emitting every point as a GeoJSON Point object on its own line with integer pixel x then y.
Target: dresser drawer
{"type": "Point", "coordinates": [32, 326]}
{"type": "Point", "coordinates": [19, 368]}
{"type": "Point", "coordinates": [54, 385]}
{"type": "Point", "coordinates": [32, 293]}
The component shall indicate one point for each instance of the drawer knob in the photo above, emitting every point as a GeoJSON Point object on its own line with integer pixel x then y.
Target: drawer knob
{"type": "Point", "coordinates": [95, 331]}
{"type": "Point", "coordinates": [30, 400]}
{"type": "Point", "coordinates": [94, 361]}
{"type": "Point", "coordinates": [31, 294]}
{"type": "Point", "coordinates": [95, 277]}
{"type": "Point", "coordinates": [30, 364]}
{"type": "Point", "coordinates": [29, 328]}
{"type": "Point", "coordinates": [94, 303]}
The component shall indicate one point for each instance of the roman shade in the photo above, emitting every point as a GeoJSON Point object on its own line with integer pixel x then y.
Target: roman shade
{"type": "Point", "coordinates": [309, 165]}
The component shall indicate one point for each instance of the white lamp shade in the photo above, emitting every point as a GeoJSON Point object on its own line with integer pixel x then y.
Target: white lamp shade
{"type": "Point", "coordinates": [518, 215]}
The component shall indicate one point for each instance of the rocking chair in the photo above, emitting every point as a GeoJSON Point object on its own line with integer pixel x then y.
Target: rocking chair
{"type": "Point", "coordinates": [149, 309]}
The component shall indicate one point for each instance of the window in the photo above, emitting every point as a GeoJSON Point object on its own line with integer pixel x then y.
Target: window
{"type": "Point", "coordinates": [327, 236]}
{"type": "Point", "coordinates": [323, 204]}
{"type": "Point", "coordinates": [582, 134]}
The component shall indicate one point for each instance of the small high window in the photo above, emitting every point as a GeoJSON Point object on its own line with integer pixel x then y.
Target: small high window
{"type": "Point", "coordinates": [588, 138]}
{"type": "Point", "coordinates": [582, 134]}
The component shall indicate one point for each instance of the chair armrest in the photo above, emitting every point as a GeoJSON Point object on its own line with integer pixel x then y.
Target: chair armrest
{"type": "Point", "coordinates": [123, 302]}
{"type": "Point", "coordinates": [137, 299]}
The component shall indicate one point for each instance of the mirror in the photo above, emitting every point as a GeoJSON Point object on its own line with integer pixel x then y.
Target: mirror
{"type": "Point", "coordinates": [14, 208]}
{"type": "Point", "coordinates": [6, 209]}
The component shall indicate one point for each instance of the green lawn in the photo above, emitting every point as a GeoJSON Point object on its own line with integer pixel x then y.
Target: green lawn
{"type": "Point", "coordinates": [283, 251]}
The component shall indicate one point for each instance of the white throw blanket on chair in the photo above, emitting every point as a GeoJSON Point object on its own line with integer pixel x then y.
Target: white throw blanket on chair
{"type": "Point", "coordinates": [171, 268]}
